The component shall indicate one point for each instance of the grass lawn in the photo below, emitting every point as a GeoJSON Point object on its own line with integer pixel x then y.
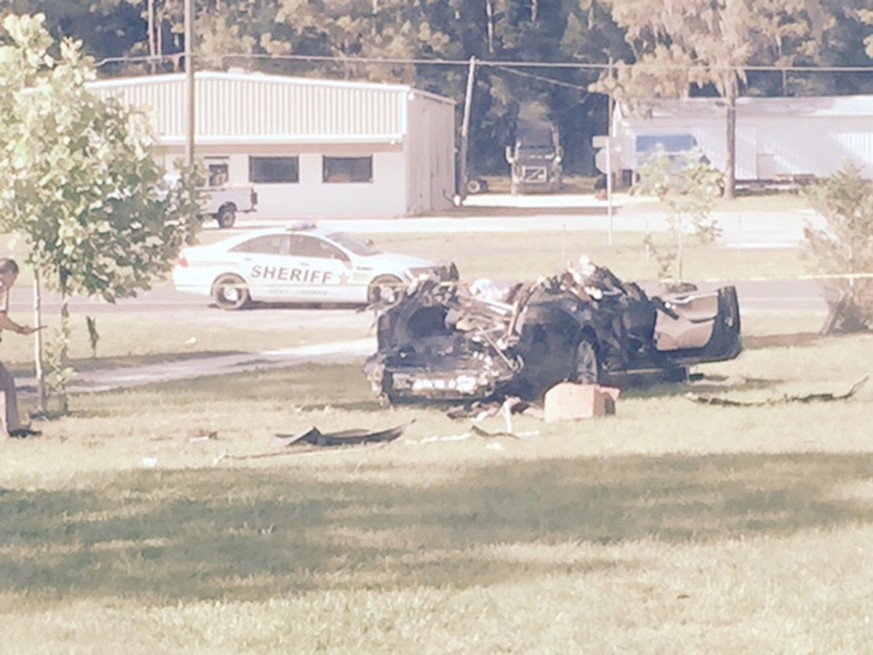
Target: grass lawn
{"type": "Point", "coordinates": [671, 527]}
{"type": "Point", "coordinates": [526, 256]}
{"type": "Point", "coordinates": [146, 338]}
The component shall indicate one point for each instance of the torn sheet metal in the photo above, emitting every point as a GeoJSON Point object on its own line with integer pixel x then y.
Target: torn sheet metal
{"type": "Point", "coordinates": [355, 437]}
{"type": "Point", "coordinates": [807, 398]}
{"type": "Point", "coordinates": [444, 341]}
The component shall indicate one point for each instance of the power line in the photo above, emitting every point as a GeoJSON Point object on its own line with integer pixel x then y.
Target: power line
{"type": "Point", "coordinates": [509, 64]}
{"type": "Point", "coordinates": [575, 87]}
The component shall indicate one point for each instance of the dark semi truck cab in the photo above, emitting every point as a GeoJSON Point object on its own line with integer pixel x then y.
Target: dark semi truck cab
{"type": "Point", "coordinates": [535, 158]}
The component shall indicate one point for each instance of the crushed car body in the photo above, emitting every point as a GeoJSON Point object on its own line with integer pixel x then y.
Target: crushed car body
{"type": "Point", "coordinates": [445, 341]}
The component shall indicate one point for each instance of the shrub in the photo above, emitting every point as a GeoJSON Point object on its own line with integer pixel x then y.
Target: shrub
{"type": "Point", "coordinates": [842, 250]}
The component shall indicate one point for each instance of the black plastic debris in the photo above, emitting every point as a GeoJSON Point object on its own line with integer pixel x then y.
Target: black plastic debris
{"type": "Point", "coordinates": [807, 398]}
{"type": "Point", "coordinates": [355, 437]}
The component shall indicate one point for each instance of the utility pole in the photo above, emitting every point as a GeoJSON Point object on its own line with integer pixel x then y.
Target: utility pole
{"type": "Point", "coordinates": [609, 110]}
{"type": "Point", "coordinates": [465, 127]}
{"type": "Point", "coordinates": [189, 82]}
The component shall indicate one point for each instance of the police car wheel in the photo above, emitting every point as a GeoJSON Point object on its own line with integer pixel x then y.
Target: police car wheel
{"type": "Point", "coordinates": [230, 292]}
{"type": "Point", "coordinates": [384, 288]}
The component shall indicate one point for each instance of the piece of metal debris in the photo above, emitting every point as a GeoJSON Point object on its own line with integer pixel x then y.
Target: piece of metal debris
{"type": "Point", "coordinates": [355, 437]}
{"type": "Point", "coordinates": [808, 398]}
{"type": "Point", "coordinates": [475, 429]}
{"type": "Point", "coordinates": [211, 435]}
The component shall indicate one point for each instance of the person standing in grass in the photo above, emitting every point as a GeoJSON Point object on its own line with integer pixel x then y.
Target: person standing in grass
{"type": "Point", "coordinates": [8, 275]}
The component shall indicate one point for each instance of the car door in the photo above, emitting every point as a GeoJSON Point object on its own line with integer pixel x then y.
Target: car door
{"type": "Point", "coordinates": [267, 266]}
{"type": "Point", "coordinates": [322, 271]}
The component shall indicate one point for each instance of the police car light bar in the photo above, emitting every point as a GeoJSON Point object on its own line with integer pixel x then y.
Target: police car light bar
{"type": "Point", "coordinates": [301, 226]}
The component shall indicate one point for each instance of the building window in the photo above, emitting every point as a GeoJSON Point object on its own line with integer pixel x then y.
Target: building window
{"type": "Point", "coordinates": [347, 169]}
{"type": "Point", "coordinates": [667, 144]}
{"type": "Point", "coordinates": [274, 170]}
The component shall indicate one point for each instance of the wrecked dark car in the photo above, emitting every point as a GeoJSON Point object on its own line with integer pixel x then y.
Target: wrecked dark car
{"type": "Point", "coordinates": [447, 342]}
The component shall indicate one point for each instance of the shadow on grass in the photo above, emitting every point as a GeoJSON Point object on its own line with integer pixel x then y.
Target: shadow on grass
{"type": "Point", "coordinates": [91, 363]}
{"type": "Point", "coordinates": [235, 534]}
{"type": "Point", "coordinates": [705, 384]}
{"type": "Point", "coordinates": [123, 361]}
{"type": "Point", "coordinates": [780, 340]}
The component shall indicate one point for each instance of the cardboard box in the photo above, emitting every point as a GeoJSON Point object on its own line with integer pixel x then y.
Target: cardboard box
{"type": "Point", "coordinates": [572, 401]}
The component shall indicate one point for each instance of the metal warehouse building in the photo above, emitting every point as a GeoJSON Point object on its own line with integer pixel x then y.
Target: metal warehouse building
{"type": "Point", "coordinates": [310, 148]}
{"type": "Point", "coordinates": [776, 138]}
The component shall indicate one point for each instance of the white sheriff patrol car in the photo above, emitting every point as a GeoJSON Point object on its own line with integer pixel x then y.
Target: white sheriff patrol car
{"type": "Point", "coordinates": [297, 264]}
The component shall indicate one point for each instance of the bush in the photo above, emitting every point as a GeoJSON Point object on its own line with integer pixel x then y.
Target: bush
{"type": "Point", "coordinates": [843, 249]}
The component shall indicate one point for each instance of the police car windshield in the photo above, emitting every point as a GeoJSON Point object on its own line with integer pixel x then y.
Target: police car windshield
{"type": "Point", "coordinates": [357, 246]}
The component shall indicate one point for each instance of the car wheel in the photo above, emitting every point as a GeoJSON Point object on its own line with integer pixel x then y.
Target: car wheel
{"type": "Point", "coordinates": [230, 292]}
{"type": "Point", "coordinates": [384, 288]}
{"type": "Point", "coordinates": [586, 369]}
{"type": "Point", "coordinates": [226, 216]}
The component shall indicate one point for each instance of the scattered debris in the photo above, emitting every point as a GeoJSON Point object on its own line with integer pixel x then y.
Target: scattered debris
{"type": "Point", "coordinates": [315, 437]}
{"type": "Point", "coordinates": [513, 435]}
{"type": "Point", "coordinates": [440, 341]}
{"type": "Point", "coordinates": [480, 410]}
{"type": "Point", "coordinates": [808, 398]}
{"type": "Point", "coordinates": [314, 440]}
{"type": "Point", "coordinates": [452, 437]}
{"type": "Point", "coordinates": [93, 335]}
{"type": "Point", "coordinates": [210, 435]}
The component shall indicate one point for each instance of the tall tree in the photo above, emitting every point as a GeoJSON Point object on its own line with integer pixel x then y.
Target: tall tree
{"type": "Point", "coordinates": [78, 178]}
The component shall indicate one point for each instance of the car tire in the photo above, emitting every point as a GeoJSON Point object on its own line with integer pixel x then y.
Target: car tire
{"type": "Point", "coordinates": [226, 216]}
{"type": "Point", "coordinates": [586, 366]}
{"type": "Point", "coordinates": [381, 287]}
{"type": "Point", "coordinates": [230, 292]}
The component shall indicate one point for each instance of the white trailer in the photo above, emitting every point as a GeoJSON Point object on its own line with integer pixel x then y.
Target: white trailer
{"type": "Point", "coordinates": [777, 139]}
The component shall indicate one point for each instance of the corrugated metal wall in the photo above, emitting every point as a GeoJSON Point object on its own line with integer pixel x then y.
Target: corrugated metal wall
{"type": "Point", "coordinates": [252, 106]}
{"type": "Point", "coordinates": [816, 140]}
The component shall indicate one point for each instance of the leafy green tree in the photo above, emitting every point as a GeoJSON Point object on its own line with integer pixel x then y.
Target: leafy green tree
{"type": "Point", "coordinates": [77, 176]}
{"type": "Point", "coordinates": [688, 185]}
{"type": "Point", "coordinates": [843, 248]}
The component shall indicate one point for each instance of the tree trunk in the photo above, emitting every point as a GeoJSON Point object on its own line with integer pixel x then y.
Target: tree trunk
{"type": "Point", "coordinates": [42, 392]}
{"type": "Point", "coordinates": [65, 343]}
{"type": "Point", "coordinates": [159, 32]}
{"type": "Point", "coordinates": [731, 141]}
{"type": "Point", "coordinates": [153, 47]}
{"type": "Point", "coordinates": [489, 13]}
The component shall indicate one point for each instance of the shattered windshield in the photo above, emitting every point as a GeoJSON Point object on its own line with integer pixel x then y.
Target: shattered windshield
{"type": "Point", "coordinates": [355, 245]}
